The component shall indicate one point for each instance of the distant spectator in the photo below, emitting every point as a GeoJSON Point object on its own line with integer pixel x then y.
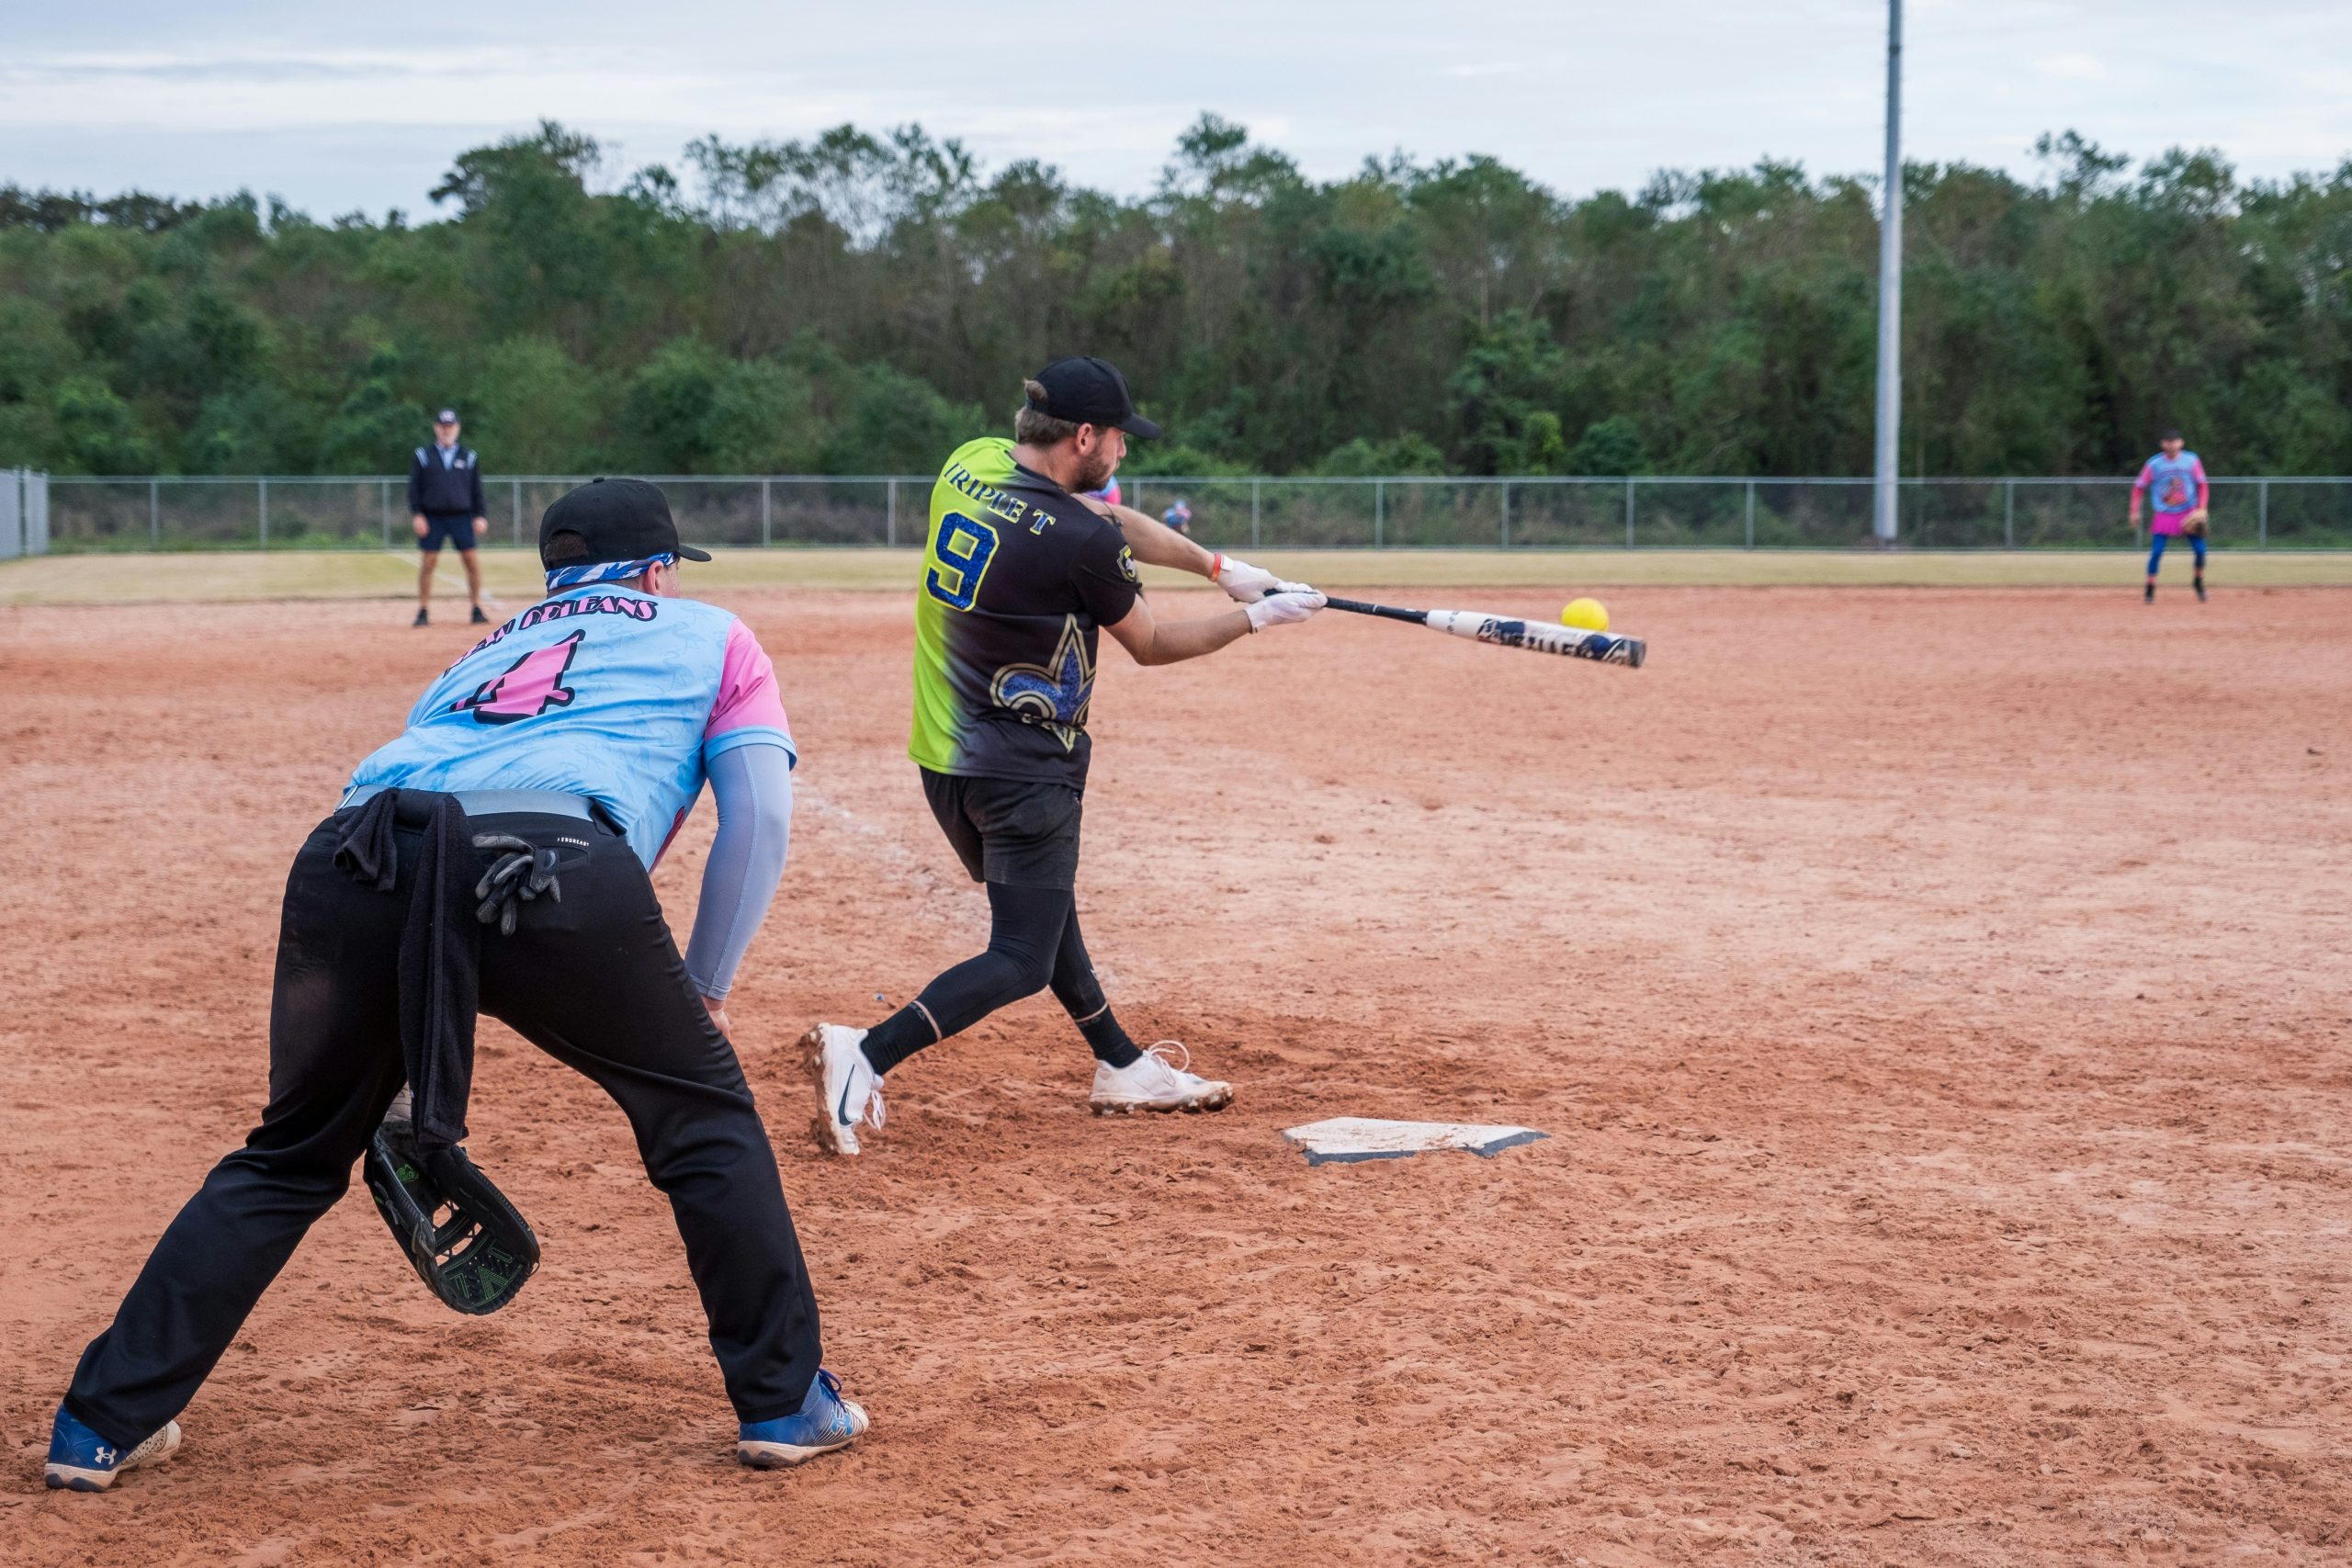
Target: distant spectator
{"type": "Point", "coordinates": [446, 503]}
{"type": "Point", "coordinates": [1178, 517]}
{"type": "Point", "coordinates": [2172, 482]}
{"type": "Point", "coordinates": [1109, 493]}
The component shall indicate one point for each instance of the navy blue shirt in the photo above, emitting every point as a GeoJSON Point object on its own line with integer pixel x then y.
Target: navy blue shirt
{"type": "Point", "coordinates": [447, 485]}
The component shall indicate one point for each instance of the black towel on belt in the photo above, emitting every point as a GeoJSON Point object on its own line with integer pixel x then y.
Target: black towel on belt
{"type": "Point", "coordinates": [440, 953]}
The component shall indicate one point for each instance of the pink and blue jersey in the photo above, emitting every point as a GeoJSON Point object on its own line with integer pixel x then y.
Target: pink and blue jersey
{"type": "Point", "coordinates": [1109, 492]}
{"type": "Point", "coordinates": [603, 691]}
{"type": "Point", "coordinates": [2174, 488]}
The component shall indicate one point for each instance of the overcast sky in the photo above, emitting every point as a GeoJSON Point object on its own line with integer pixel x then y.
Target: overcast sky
{"type": "Point", "coordinates": [363, 105]}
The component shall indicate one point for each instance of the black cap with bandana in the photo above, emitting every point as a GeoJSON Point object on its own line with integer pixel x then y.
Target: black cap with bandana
{"type": "Point", "coordinates": [619, 520]}
{"type": "Point", "coordinates": [1091, 391]}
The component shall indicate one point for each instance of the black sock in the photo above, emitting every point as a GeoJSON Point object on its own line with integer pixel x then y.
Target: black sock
{"type": "Point", "coordinates": [897, 1037]}
{"type": "Point", "coordinates": [1080, 994]}
{"type": "Point", "coordinates": [1024, 926]}
{"type": "Point", "coordinates": [1109, 1042]}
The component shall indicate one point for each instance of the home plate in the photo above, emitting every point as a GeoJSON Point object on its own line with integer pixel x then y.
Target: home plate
{"type": "Point", "coordinates": [1352, 1138]}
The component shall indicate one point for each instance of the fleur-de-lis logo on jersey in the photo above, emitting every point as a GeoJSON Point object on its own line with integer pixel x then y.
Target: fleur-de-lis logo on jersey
{"type": "Point", "coordinates": [1056, 697]}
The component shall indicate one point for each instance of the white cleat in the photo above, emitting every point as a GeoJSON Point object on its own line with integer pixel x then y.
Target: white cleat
{"type": "Point", "coordinates": [849, 1092]}
{"type": "Point", "coordinates": [1153, 1082]}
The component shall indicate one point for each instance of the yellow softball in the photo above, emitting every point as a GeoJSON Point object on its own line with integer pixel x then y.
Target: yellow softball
{"type": "Point", "coordinates": [1590, 615]}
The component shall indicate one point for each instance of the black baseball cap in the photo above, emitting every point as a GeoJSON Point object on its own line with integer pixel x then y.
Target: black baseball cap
{"type": "Point", "coordinates": [620, 520]}
{"type": "Point", "coordinates": [1091, 391]}
{"type": "Point", "coordinates": [446, 416]}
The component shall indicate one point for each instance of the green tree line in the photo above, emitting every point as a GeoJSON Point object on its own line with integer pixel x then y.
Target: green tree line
{"type": "Point", "coordinates": [855, 303]}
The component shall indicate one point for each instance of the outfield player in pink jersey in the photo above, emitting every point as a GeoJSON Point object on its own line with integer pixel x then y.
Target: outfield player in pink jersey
{"type": "Point", "coordinates": [2172, 483]}
{"type": "Point", "coordinates": [495, 857]}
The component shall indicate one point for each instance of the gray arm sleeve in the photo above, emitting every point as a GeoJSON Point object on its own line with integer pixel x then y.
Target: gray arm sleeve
{"type": "Point", "coordinates": [751, 787]}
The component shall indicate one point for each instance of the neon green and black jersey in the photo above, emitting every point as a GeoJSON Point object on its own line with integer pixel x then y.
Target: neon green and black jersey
{"type": "Point", "coordinates": [1017, 577]}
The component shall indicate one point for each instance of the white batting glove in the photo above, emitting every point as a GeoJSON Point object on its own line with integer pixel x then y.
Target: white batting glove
{"type": "Point", "coordinates": [1286, 606]}
{"type": "Point", "coordinates": [1244, 584]}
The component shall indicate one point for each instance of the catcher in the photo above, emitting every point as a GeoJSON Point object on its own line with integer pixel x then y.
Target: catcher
{"type": "Point", "coordinates": [495, 856]}
{"type": "Point", "coordinates": [2174, 478]}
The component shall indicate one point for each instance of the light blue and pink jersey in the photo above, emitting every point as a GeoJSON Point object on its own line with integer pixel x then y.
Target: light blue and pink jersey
{"type": "Point", "coordinates": [600, 690]}
{"type": "Point", "coordinates": [1109, 492]}
{"type": "Point", "coordinates": [2174, 486]}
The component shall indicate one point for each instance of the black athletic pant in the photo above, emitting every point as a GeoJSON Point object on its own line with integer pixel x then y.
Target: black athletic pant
{"type": "Point", "coordinates": [1021, 839]}
{"type": "Point", "coordinates": [595, 981]}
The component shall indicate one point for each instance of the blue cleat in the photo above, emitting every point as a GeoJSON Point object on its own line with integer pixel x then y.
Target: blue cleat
{"type": "Point", "coordinates": [81, 1460]}
{"type": "Point", "coordinates": [826, 1421]}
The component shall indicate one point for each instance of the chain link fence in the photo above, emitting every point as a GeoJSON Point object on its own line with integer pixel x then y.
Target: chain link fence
{"type": "Point", "coordinates": [371, 513]}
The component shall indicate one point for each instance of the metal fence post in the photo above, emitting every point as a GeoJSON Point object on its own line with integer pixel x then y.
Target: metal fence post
{"type": "Point", "coordinates": [1379, 516]}
{"type": "Point", "coordinates": [2010, 515]}
{"type": "Point", "coordinates": [1506, 533]}
{"type": "Point", "coordinates": [1253, 514]}
{"type": "Point", "coordinates": [767, 531]}
{"type": "Point", "coordinates": [264, 483]}
{"type": "Point", "coordinates": [890, 520]}
{"type": "Point", "coordinates": [384, 509]}
{"type": "Point", "coordinates": [1629, 511]}
{"type": "Point", "coordinates": [1751, 514]}
{"type": "Point", "coordinates": [155, 513]}
{"type": "Point", "coordinates": [2262, 515]}
{"type": "Point", "coordinates": [518, 512]}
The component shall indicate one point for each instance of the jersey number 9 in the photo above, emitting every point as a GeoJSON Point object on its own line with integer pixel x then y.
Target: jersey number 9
{"type": "Point", "coordinates": [963, 549]}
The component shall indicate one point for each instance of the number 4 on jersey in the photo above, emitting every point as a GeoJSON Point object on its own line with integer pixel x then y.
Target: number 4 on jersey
{"type": "Point", "coordinates": [530, 685]}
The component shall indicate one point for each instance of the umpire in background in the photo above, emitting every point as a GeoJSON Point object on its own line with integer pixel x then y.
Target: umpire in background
{"type": "Point", "coordinates": [445, 505]}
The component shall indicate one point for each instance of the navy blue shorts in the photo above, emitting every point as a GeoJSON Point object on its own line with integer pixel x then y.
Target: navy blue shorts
{"type": "Point", "coordinates": [457, 528]}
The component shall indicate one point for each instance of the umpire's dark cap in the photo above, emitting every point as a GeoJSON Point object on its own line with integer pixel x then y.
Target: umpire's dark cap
{"type": "Point", "coordinates": [619, 520]}
{"type": "Point", "coordinates": [1091, 391]}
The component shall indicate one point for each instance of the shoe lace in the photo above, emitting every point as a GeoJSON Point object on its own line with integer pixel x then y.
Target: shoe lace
{"type": "Point", "coordinates": [1159, 1051]}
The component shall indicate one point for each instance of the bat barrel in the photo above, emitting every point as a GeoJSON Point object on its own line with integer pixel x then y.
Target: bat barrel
{"type": "Point", "coordinates": [1571, 642]}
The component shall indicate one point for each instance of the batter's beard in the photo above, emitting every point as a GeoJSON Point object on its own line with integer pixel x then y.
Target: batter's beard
{"type": "Point", "coordinates": [1093, 473]}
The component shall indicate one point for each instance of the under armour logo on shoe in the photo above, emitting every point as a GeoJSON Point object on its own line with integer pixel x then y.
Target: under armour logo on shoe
{"type": "Point", "coordinates": [106, 1454]}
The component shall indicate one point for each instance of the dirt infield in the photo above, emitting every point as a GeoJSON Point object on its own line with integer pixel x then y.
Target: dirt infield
{"type": "Point", "coordinates": [1938, 1002]}
{"type": "Point", "coordinates": [233, 576]}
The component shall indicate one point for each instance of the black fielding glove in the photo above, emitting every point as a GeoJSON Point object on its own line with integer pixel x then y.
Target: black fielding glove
{"type": "Point", "coordinates": [477, 1258]}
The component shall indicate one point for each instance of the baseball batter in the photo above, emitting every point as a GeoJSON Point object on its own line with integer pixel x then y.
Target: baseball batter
{"type": "Point", "coordinates": [495, 856]}
{"type": "Point", "coordinates": [1019, 577]}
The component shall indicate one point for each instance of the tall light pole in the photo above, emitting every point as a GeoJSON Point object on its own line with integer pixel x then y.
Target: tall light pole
{"type": "Point", "coordinates": [1890, 288]}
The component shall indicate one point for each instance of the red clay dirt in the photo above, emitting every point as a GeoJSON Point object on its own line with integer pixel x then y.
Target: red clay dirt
{"type": "Point", "coordinates": [1937, 1000]}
